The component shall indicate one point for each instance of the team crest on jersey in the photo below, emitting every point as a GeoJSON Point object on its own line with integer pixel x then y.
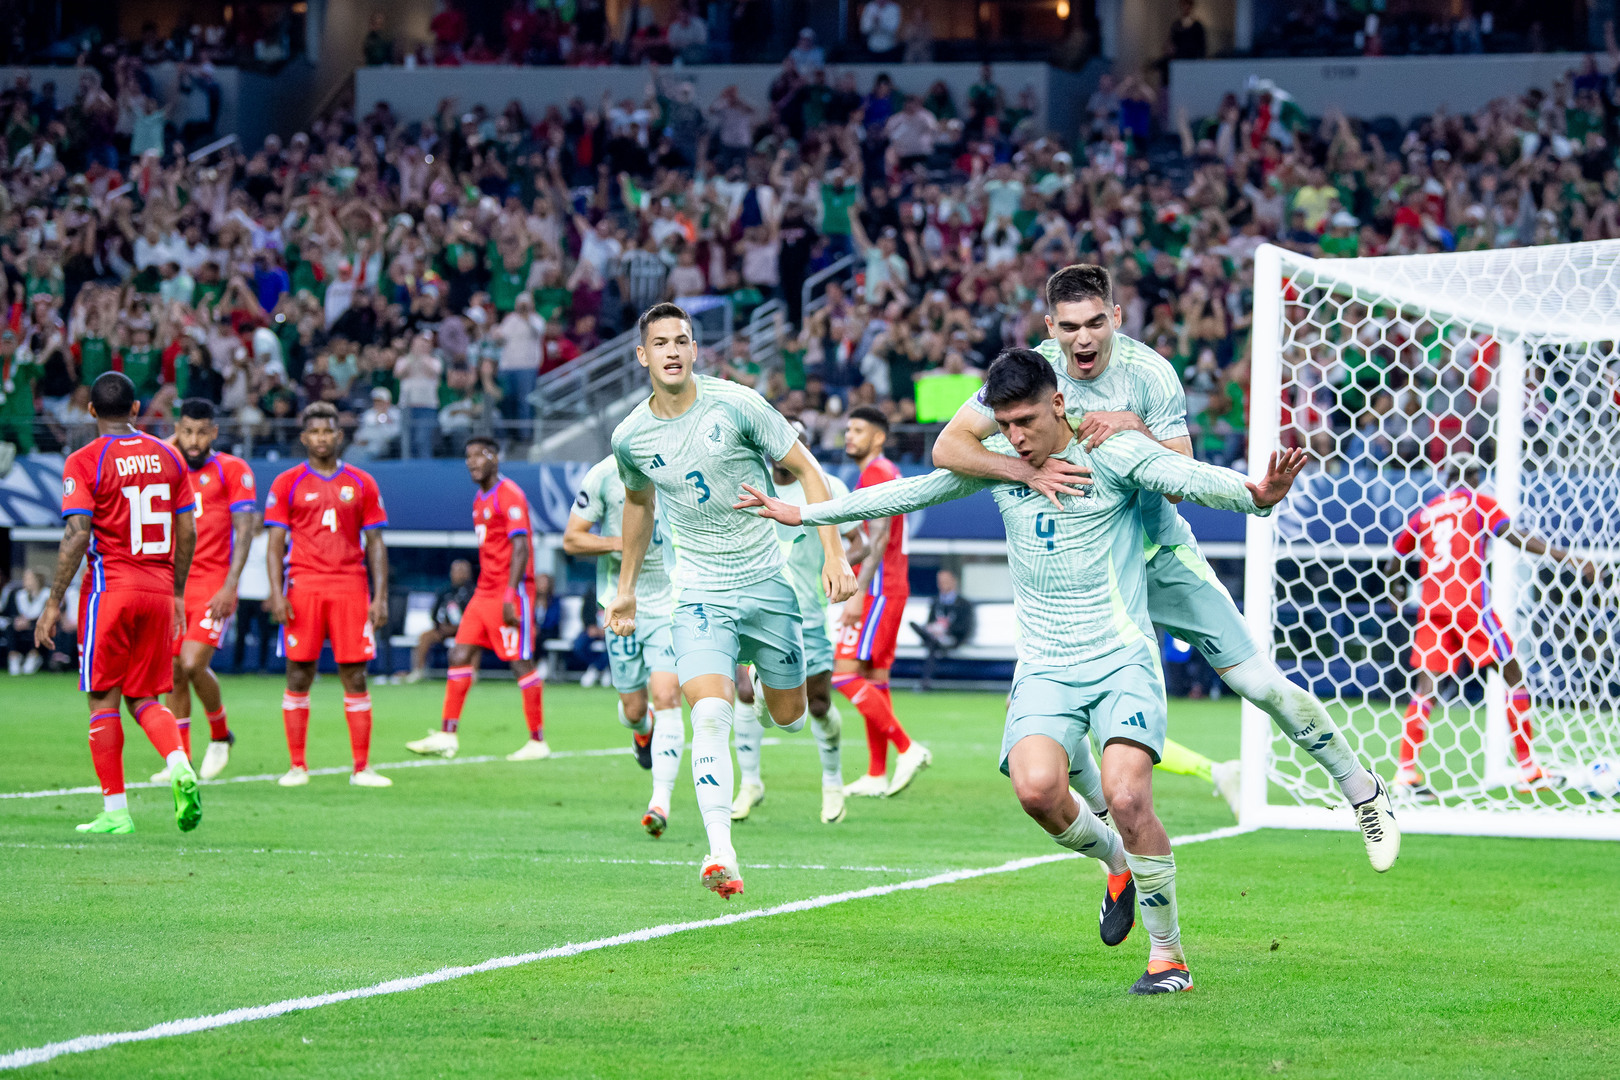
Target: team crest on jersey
{"type": "Point", "coordinates": [270, 500]}
{"type": "Point", "coordinates": [202, 479]}
{"type": "Point", "coordinates": [514, 512]}
{"type": "Point", "coordinates": [346, 493]}
{"type": "Point", "coordinates": [247, 480]}
{"type": "Point", "coordinates": [68, 485]}
{"type": "Point", "coordinates": [714, 435]}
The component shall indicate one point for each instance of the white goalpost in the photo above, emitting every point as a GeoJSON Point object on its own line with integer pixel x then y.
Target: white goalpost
{"type": "Point", "coordinates": [1385, 368]}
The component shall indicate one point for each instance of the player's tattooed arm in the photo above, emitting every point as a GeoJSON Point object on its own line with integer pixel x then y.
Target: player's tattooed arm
{"type": "Point", "coordinates": [75, 542]}
{"type": "Point", "coordinates": [1535, 545]}
{"type": "Point", "coordinates": [960, 448]}
{"type": "Point", "coordinates": [635, 529]}
{"type": "Point", "coordinates": [223, 602]}
{"type": "Point", "coordinates": [514, 579]}
{"type": "Point", "coordinates": [377, 563]}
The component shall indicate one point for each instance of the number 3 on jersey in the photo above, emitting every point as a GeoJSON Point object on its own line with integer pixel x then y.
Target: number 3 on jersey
{"type": "Point", "coordinates": [702, 486]}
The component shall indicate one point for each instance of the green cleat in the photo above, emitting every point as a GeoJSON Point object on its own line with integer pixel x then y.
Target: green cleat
{"type": "Point", "coordinates": [187, 797]}
{"type": "Point", "coordinates": [117, 822]}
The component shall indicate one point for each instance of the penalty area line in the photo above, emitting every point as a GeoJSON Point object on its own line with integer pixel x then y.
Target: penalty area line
{"type": "Point", "coordinates": [17, 1059]}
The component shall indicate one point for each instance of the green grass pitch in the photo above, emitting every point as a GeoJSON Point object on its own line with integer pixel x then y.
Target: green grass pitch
{"type": "Point", "coordinates": [1473, 958]}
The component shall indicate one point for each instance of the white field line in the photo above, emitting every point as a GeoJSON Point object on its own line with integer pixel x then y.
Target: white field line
{"type": "Point", "coordinates": [85, 1043]}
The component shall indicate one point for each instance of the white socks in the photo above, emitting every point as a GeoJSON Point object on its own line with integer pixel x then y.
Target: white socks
{"type": "Point", "coordinates": [828, 731]}
{"type": "Point", "coordinates": [1086, 780]}
{"type": "Point", "coordinates": [1302, 718]}
{"type": "Point", "coordinates": [668, 740]}
{"type": "Point", "coordinates": [1089, 836]}
{"type": "Point", "coordinates": [119, 801]}
{"type": "Point", "coordinates": [640, 727]}
{"type": "Point", "coordinates": [176, 757]}
{"type": "Point", "coordinates": [711, 771]}
{"type": "Point", "coordinates": [1156, 902]}
{"type": "Point", "coordinates": [746, 734]}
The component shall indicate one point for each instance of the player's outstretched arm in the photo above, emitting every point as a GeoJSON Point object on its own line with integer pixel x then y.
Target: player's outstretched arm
{"type": "Point", "coordinates": [837, 579]}
{"type": "Point", "coordinates": [69, 553]}
{"type": "Point", "coordinates": [1147, 465]}
{"type": "Point", "coordinates": [960, 448]}
{"type": "Point", "coordinates": [635, 530]}
{"type": "Point", "coordinates": [377, 563]}
{"type": "Point", "coordinates": [901, 496]}
{"type": "Point", "coordinates": [578, 540]}
{"type": "Point", "coordinates": [1535, 545]}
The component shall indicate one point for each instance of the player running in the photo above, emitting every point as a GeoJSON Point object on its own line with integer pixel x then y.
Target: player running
{"type": "Point", "coordinates": [1111, 384]}
{"type": "Point", "coordinates": [500, 615]}
{"type": "Point", "coordinates": [1456, 619]}
{"type": "Point", "coordinates": [1086, 656]}
{"type": "Point", "coordinates": [223, 487]}
{"type": "Point", "coordinates": [694, 439]}
{"type": "Point", "coordinates": [870, 621]}
{"type": "Point", "coordinates": [323, 519]}
{"type": "Point", "coordinates": [127, 505]}
{"type": "Point", "coordinates": [641, 664]}
{"type": "Point", "coordinates": [804, 564]}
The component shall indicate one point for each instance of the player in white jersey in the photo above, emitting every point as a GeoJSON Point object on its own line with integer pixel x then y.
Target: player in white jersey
{"type": "Point", "coordinates": [692, 441]}
{"type": "Point", "coordinates": [1112, 384]}
{"type": "Point", "coordinates": [804, 563]}
{"type": "Point", "coordinates": [1087, 660]}
{"type": "Point", "coordinates": [641, 664]}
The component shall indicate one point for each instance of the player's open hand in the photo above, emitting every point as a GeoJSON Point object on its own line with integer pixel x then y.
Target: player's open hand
{"type": "Point", "coordinates": [1098, 427]}
{"type": "Point", "coordinates": [1059, 477]}
{"type": "Point", "coordinates": [222, 604]}
{"type": "Point", "coordinates": [621, 615]}
{"type": "Point", "coordinates": [768, 507]}
{"type": "Point", "coordinates": [838, 580]}
{"type": "Point", "coordinates": [280, 609]}
{"type": "Point", "coordinates": [379, 611]}
{"type": "Point", "coordinates": [1281, 469]}
{"type": "Point", "coordinates": [45, 628]}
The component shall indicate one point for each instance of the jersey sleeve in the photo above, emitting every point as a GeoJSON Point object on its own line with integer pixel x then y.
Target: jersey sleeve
{"type": "Point", "coordinates": [239, 487]}
{"type": "Point", "coordinates": [78, 486]}
{"type": "Point", "coordinates": [514, 510]}
{"type": "Point", "coordinates": [1491, 513]}
{"type": "Point", "coordinates": [1406, 540]}
{"type": "Point", "coordinates": [768, 429]}
{"type": "Point", "coordinates": [629, 471]}
{"type": "Point", "coordinates": [1133, 460]}
{"type": "Point", "coordinates": [276, 506]}
{"type": "Point", "coordinates": [588, 504]}
{"type": "Point", "coordinates": [1164, 402]}
{"type": "Point", "coordinates": [899, 497]}
{"type": "Point", "coordinates": [372, 513]}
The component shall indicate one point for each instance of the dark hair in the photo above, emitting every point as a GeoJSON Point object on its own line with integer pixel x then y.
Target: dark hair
{"type": "Point", "coordinates": [113, 395]}
{"type": "Point", "coordinates": [1082, 281]}
{"type": "Point", "coordinates": [318, 410]}
{"type": "Point", "coordinates": [661, 311]}
{"type": "Point", "coordinates": [872, 415]}
{"type": "Point", "coordinates": [482, 440]}
{"type": "Point", "coordinates": [1017, 376]}
{"type": "Point", "coordinates": [197, 408]}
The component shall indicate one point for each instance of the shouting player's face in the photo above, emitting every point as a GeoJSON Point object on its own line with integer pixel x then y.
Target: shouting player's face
{"type": "Point", "coordinates": [1085, 333]}
{"type": "Point", "coordinates": [482, 463]}
{"type": "Point", "coordinates": [195, 438]}
{"type": "Point", "coordinates": [668, 352]}
{"type": "Point", "coordinates": [1036, 428]}
{"type": "Point", "coordinates": [322, 438]}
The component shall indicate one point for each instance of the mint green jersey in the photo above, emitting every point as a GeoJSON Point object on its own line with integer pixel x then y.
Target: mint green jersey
{"type": "Point", "coordinates": [697, 463]}
{"type": "Point", "coordinates": [1079, 578]}
{"type": "Point", "coordinates": [804, 554]}
{"type": "Point", "coordinates": [601, 502]}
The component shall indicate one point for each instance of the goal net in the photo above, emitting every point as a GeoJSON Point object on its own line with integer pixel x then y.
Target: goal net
{"type": "Point", "coordinates": [1386, 369]}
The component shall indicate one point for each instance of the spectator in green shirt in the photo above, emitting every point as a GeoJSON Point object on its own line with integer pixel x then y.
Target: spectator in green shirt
{"type": "Point", "coordinates": [18, 373]}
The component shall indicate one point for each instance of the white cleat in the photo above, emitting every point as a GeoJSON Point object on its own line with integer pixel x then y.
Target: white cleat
{"type": "Point", "coordinates": [873, 787]}
{"type": "Point", "coordinates": [414, 677]}
{"type": "Point", "coordinates": [832, 805]}
{"type": "Point", "coordinates": [296, 777]}
{"type": "Point", "coordinates": [161, 776]}
{"type": "Point", "coordinates": [369, 777]}
{"type": "Point", "coordinates": [437, 744]}
{"type": "Point", "coordinates": [1379, 832]}
{"type": "Point", "coordinates": [907, 766]}
{"type": "Point", "coordinates": [217, 757]}
{"type": "Point", "coordinates": [590, 678]}
{"type": "Point", "coordinates": [748, 797]}
{"type": "Point", "coordinates": [721, 875]}
{"type": "Point", "coordinates": [533, 750]}
{"type": "Point", "coordinates": [1227, 776]}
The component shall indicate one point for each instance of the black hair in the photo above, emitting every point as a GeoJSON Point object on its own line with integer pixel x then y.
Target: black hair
{"type": "Point", "coordinates": [318, 410]}
{"type": "Point", "coordinates": [872, 415]}
{"type": "Point", "coordinates": [661, 311]}
{"type": "Point", "coordinates": [1017, 376]}
{"type": "Point", "coordinates": [482, 440]}
{"type": "Point", "coordinates": [1082, 281]}
{"type": "Point", "coordinates": [113, 395]}
{"type": "Point", "coordinates": [197, 409]}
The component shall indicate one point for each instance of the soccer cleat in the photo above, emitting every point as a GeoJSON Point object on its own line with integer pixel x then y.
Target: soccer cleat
{"type": "Point", "coordinates": [415, 677]}
{"type": "Point", "coordinates": [907, 766]}
{"type": "Point", "coordinates": [297, 776]}
{"type": "Point", "coordinates": [161, 776]}
{"type": "Point", "coordinates": [1227, 777]}
{"type": "Point", "coordinates": [187, 797]}
{"type": "Point", "coordinates": [642, 745]}
{"type": "Point", "coordinates": [443, 744]}
{"type": "Point", "coordinates": [1118, 913]}
{"type": "Point", "coordinates": [217, 757]}
{"type": "Point", "coordinates": [533, 750]}
{"type": "Point", "coordinates": [1535, 779]}
{"type": "Point", "coordinates": [1163, 977]}
{"type": "Point", "coordinates": [721, 876]}
{"type": "Point", "coordinates": [112, 822]}
{"type": "Point", "coordinates": [1410, 786]}
{"type": "Point", "coordinates": [871, 786]}
{"type": "Point", "coordinates": [1379, 832]}
{"type": "Point", "coordinates": [748, 796]}
{"type": "Point", "coordinates": [832, 805]}
{"type": "Point", "coordinates": [655, 821]}
{"type": "Point", "coordinates": [369, 777]}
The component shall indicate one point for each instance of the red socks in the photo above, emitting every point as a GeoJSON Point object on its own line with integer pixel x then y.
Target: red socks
{"type": "Point", "coordinates": [534, 704]}
{"type": "Point", "coordinates": [357, 711]}
{"type": "Point", "coordinates": [455, 695]}
{"type": "Point", "coordinates": [160, 727]}
{"type": "Point", "coordinates": [872, 702]}
{"type": "Point", "coordinates": [295, 718]}
{"type": "Point", "coordinates": [1414, 730]}
{"type": "Point", "coordinates": [1518, 711]}
{"type": "Point", "coordinates": [183, 725]}
{"type": "Point", "coordinates": [107, 750]}
{"type": "Point", "coordinates": [897, 734]}
{"type": "Point", "coordinates": [218, 729]}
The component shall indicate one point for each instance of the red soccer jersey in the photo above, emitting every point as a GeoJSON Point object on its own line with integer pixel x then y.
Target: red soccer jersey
{"type": "Point", "coordinates": [224, 485]}
{"type": "Point", "coordinates": [499, 514]}
{"type": "Point", "coordinates": [1451, 530]}
{"type": "Point", "coordinates": [892, 577]}
{"type": "Point", "coordinates": [324, 516]}
{"type": "Point", "coordinates": [130, 486]}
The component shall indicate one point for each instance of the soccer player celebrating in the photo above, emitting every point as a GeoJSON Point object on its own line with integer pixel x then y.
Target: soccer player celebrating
{"type": "Point", "coordinates": [126, 503]}
{"type": "Point", "coordinates": [642, 663]}
{"type": "Point", "coordinates": [871, 621]}
{"type": "Point", "coordinates": [1086, 657]}
{"type": "Point", "coordinates": [694, 439]}
{"type": "Point", "coordinates": [804, 563]}
{"type": "Point", "coordinates": [323, 518]}
{"type": "Point", "coordinates": [500, 615]}
{"type": "Point", "coordinates": [1112, 384]}
{"type": "Point", "coordinates": [223, 486]}
{"type": "Point", "coordinates": [1456, 619]}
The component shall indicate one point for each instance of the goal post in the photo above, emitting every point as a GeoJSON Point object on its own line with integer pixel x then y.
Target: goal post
{"type": "Point", "coordinates": [1386, 369]}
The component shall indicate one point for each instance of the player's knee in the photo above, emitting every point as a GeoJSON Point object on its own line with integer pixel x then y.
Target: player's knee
{"type": "Point", "coordinates": [819, 704]}
{"type": "Point", "coordinates": [1129, 808]}
{"type": "Point", "coordinates": [1040, 792]}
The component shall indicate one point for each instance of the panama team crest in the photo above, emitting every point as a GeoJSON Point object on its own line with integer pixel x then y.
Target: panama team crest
{"type": "Point", "coordinates": [346, 493]}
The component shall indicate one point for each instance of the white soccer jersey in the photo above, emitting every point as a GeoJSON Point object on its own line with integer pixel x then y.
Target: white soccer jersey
{"type": "Point", "coordinates": [804, 554]}
{"type": "Point", "coordinates": [601, 502]}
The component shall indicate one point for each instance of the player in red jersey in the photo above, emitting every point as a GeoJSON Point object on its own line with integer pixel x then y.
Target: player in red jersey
{"type": "Point", "coordinates": [331, 512]}
{"type": "Point", "coordinates": [223, 486]}
{"type": "Point", "coordinates": [500, 615]}
{"type": "Point", "coordinates": [126, 505]}
{"type": "Point", "coordinates": [1456, 618]}
{"type": "Point", "coordinates": [871, 620]}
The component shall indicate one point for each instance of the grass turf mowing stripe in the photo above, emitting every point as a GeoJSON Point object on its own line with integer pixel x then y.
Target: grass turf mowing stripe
{"type": "Point", "coordinates": [85, 1043]}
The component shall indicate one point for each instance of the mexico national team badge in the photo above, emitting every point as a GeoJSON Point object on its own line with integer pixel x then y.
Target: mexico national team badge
{"type": "Point", "coordinates": [346, 493]}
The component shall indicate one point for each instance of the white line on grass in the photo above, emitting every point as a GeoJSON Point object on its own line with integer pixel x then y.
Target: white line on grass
{"type": "Point", "coordinates": [85, 1043]}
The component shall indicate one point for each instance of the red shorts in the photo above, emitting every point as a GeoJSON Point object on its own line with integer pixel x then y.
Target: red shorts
{"type": "Point", "coordinates": [872, 640]}
{"type": "Point", "coordinates": [319, 614]}
{"type": "Point", "coordinates": [483, 625]}
{"type": "Point", "coordinates": [199, 626]}
{"type": "Point", "coordinates": [1444, 634]}
{"type": "Point", "coordinates": [126, 640]}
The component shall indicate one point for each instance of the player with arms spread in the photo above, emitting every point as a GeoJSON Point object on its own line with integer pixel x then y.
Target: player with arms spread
{"type": "Point", "coordinates": [323, 519]}
{"type": "Point", "coordinates": [693, 440]}
{"type": "Point", "coordinates": [500, 615]}
{"type": "Point", "coordinates": [126, 504]}
{"type": "Point", "coordinates": [1111, 384]}
{"type": "Point", "coordinates": [1086, 657]}
{"type": "Point", "coordinates": [1456, 618]}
